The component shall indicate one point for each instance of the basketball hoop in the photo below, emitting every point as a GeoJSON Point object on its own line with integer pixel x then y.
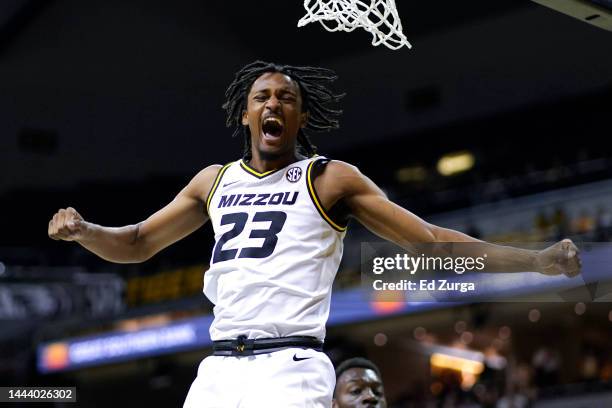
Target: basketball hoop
{"type": "Point", "coordinates": [379, 17]}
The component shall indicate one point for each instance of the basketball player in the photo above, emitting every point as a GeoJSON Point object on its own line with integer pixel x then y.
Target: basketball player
{"type": "Point", "coordinates": [358, 384]}
{"type": "Point", "coordinates": [279, 216]}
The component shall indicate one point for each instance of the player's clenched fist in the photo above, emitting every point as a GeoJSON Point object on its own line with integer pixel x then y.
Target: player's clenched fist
{"type": "Point", "coordinates": [68, 225]}
{"type": "Point", "coordinates": [560, 258]}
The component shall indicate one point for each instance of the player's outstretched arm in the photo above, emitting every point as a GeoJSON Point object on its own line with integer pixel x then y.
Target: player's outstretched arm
{"type": "Point", "coordinates": [139, 242]}
{"type": "Point", "coordinates": [370, 206]}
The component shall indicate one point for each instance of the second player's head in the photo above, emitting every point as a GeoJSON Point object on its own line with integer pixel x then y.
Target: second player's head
{"type": "Point", "coordinates": [358, 384]}
{"type": "Point", "coordinates": [274, 106]}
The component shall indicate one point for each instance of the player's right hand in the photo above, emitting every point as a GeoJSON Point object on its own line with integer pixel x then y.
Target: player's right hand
{"type": "Point", "coordinates": [68, 225]}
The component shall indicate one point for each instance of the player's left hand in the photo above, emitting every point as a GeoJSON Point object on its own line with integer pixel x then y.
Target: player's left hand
{"type": "Point", "coordinates": [562, 258]}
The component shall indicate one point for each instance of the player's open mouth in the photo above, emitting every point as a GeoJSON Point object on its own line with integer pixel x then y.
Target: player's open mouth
{"type": "Point", "coordinates": [272, 127]}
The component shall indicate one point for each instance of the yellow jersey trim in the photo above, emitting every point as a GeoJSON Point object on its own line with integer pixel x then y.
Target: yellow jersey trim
{"type": "Point", "coordinates": [317, 203]}
{"type": "Point", "coordinates": [254, 172]}
{"type": "Point", "coordinates": [215, 185]}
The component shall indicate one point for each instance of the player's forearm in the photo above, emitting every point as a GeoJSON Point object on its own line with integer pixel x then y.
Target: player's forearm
{"type": "Point", "coordinates": [114, 244]}
{"type": "Point", "coordinates": [498, 258]}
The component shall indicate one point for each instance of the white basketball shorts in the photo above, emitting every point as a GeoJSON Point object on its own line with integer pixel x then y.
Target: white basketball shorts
{"type": "Point", "coordinates": [290, 378]}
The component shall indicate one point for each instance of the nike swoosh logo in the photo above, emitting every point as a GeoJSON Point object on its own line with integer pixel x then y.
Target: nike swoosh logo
{"type": "Point", "coordinates": [296, 358]}
{"type": "Point", "coordinates": [229, 184]}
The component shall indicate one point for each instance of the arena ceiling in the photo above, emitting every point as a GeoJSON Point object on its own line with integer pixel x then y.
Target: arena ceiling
{"type": "Point", "coordinates": [124, 89]}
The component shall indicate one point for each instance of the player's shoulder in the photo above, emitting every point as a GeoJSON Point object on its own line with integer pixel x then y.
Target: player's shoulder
{"type": "Point", "coordinates": [338, 168]}
{"type": "Point", "coordinates": [203, 181]}
{"type": "Point", "coordinates": [208, 174]}
{"type": "Point", "coordinates": [338, 178]}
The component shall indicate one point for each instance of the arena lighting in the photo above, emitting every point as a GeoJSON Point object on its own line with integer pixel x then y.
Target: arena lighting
{"type": "Point", "coordinates": [466, 337]}
{"type": "Point", "coordinates": [411, 174]}
{"type": "Point", "coordinates": [580, 308]}
{"type": "Point", "coordinates": [534, 315]}
{"type": "Point", "coordinates": [456, 162]}
{"type": "Point", "coordinates": [440, 360]}
{"type": "Point", "coordinates": [460, 327]}
{"type": "Point", "coordinates": [380, 339]}
{"type": "Point", "coordinates": [467, 381]}
{"type": "Point", "coordinates": [496, 362]}
{"type": "Point", "coordinates": [504, 332]}
{"type": "Point", "coordinates": [420, 332]}
{"type": "Point", "coordinates": [455, 356]}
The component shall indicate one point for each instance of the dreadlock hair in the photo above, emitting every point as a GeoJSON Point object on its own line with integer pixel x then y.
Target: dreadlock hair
{"type": "Point", "coordinates": [316, 97]}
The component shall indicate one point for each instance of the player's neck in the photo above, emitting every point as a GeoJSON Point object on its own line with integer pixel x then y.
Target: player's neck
{"type": "Point", "coordinates": [264, 164]}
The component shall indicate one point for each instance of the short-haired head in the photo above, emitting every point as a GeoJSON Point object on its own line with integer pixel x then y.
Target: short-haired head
{"type": "Point", "coordinates": [358, 384]}
{"type": "Point", "coordinates": [356, 362]}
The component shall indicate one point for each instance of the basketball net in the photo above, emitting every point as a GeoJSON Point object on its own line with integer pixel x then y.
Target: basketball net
{"type": "Point", "coordinates": [379, 17]}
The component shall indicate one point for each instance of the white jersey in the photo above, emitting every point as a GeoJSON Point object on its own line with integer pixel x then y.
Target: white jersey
{"type": "Point", "coordinates": [276, 253]}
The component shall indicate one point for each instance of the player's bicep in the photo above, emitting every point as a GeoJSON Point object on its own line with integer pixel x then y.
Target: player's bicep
{"type": "Point", "coordinates": [175, 221]}
{"type": "Point", "coordinates": [390, 221]}
{"type": "Point", "coordinates": [371, 207]}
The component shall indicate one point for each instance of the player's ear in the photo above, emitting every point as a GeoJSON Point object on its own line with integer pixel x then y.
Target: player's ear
{"type": "Point", "coordinates": [334, 403]}
{"type": "Point", "coordinates": [245, 118]}
{"type": "Point", "coordinates": [303, 119]}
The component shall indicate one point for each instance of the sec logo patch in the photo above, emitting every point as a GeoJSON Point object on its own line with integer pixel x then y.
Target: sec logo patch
{"type": "Point", "coordinates": [294, 174]}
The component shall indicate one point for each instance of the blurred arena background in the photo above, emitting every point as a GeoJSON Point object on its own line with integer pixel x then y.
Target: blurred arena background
{"type": "Point", "coordinates": [497, 123]}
